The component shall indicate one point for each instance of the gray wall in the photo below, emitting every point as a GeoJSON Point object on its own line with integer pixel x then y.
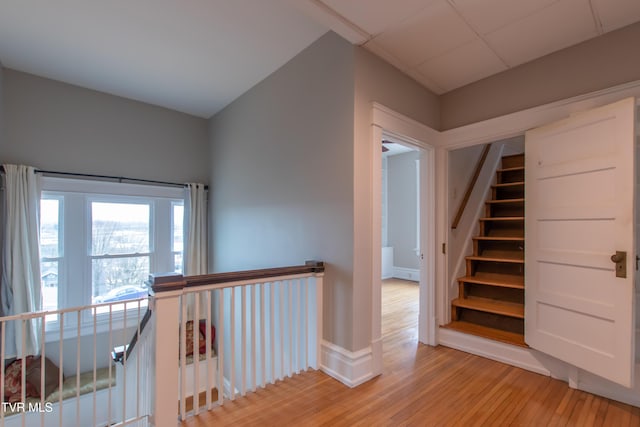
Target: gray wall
{"type": "Point", "coordinates": [2, 128]}
{"type": "Point", "coordinates": [402, 208]}
{"type": "Point", "coordinates": [282, 175]}
{"type": "Point", "coordinates": [599, 63]}
{"type": "Point", "coordinates": [56, 126]}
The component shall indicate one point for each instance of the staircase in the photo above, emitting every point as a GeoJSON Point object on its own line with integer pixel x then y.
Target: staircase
{"type": "Point", "coordinates": [490, 299]}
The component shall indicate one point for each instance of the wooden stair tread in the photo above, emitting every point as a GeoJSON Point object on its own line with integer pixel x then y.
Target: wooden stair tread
{"type": "Point", "coordinates": [500, 238]}
{"type": "Point", "coordinates": [506, 233]}
{"type": "Point", "coordinates": [504, 201]}
{"type": "Point", "coordinates": [495, 259]}
{"type": "Point", "coordinates": [503, 218]}
{"type": "Point", "coordinates": [495, 279]}
{"type": "Point", "coordinates": [487, 332]}
{"type": "Point", "coordinates": [503, 253]}
{"type": "Point", "coordinates": [508, 184]}
{"type": "Point", "coordinates": [503, 308]}
{"type": "Point", "coordinates": [512, 169]}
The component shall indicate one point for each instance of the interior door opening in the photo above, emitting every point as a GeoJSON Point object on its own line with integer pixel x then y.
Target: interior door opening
{"type": "Point", "coordinates": [401, 247]}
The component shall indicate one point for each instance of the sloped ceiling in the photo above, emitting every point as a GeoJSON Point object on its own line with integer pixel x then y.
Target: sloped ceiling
{"type": "Point", "coordinates": [194, 56]}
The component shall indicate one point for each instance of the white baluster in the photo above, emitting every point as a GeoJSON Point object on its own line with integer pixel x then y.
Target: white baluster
{"type": "Point", "coordinates": [254, 326]}
{"type": "Point", "coordinates": [243, 343]}
{"type": "Point", "coordinates": [220, 334]}
{"type": "Point", "coordinates": [232, 353]}
{"type": "Point", "coordinates": [263, 363]}
{"type": "Point", "coordinates": [208, 339]}
{"type": "Point", "coordinates": [196, 353]}
{"type": "Point", "coordinates": [183, 355]}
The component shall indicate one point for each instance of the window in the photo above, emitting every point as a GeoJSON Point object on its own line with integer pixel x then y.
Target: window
{"type": "Point", "coordinates": [100, 241]}
{"type": "Point", "coordinates": [50, 250]}
{"type": "Point", "coordinates": [120, 250]}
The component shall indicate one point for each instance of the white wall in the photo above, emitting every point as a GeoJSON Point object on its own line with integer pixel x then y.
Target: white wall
{"type": "Point", "coordinates": [57, 126]}
{"type": "Point", "coordinates": [282, 175]}
{"type": "Point", "coordinates": [402, 208]}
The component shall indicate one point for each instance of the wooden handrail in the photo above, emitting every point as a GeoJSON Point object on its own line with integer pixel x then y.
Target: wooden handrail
{"type": "Point", "coordinates": [174, 282]}
{"type": "Point", "coordinates": [472, 183]}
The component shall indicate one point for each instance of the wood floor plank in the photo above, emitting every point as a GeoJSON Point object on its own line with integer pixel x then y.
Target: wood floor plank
{"type": "Point", "coordinates": [420, 386]}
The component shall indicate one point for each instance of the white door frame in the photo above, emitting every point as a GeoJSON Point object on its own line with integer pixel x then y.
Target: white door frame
{"type": "Point", "coordinates": [386, 121]}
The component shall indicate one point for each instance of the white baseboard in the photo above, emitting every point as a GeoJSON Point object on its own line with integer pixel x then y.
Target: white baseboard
{"type": "Point", "coordinates": [512, 355]}
{"type": "Point", "coordinates": [596, 385]}
{"type": "Point", "coordinates": [535, 361]}
{"type": "Point", "coordinates": [350, 368]}
{"type": "Point", "coordinates": [406, 273]}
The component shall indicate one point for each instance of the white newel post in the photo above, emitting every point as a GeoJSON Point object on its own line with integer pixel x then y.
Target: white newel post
{"type": "Point", "coordinates": [165, 387]}
{"type": "Point", "coordinates": [319, 320]}
{"type": "Point", "coordinates": [319, 276]}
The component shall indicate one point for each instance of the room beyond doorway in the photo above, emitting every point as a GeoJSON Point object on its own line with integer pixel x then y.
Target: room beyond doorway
{"type": "Point", "coordinates": [400, 211]}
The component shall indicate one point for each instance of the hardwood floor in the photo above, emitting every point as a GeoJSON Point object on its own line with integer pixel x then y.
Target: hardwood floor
{"type": "Point", "coordinates": [421, 386]}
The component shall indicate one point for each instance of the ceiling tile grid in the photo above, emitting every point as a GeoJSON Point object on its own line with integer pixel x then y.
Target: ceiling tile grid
{"type": "Point", "coordinates": [376, 16]}
{"type": "Point", "coordinates": [487, 16]}
{"type": "Point", "coordinates": [435, 30]}
{"type": "Point", "coordinates": [456, 67]}
{"type": "Point", "coordinates": [446, 44]}
{"type": "Point", "coordinates": [555, 27]}
{"type": "Point", "coordinates": [614, 14]}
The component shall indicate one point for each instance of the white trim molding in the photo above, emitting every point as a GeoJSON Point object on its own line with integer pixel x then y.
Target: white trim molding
{"type": "Point", "coordinates": [517, 123]}
{"type": "Point", "coordinates": [601, 387]}
{"type": "Point", "coordinates": [404, 127]}
{"type": "Point", "coordinates": [349, 367]}
{"type": "Point", "coordinates": [325, 15]}
{"type": "Point", "coordinates": [406, 273]}
{"type": "Point", "coordinates": [512, 355]}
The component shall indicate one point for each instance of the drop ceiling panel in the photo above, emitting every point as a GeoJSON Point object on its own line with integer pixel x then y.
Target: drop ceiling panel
{"type": "Point", "coordinates": [615, 14]}
{"type": "Point", "coordinates": [560, 25]}
{"type": "Point", "coordinates": [489, 15]}
{"type": "Point", "coordinates": [375, 16]}
{"type": "Point", "coordinates": [435, 30]}
{"type": "Point", "coordinates": [471, 62]}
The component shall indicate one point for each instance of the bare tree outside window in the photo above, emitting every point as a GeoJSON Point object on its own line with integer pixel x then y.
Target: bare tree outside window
{"type": "Point", "coordinates": [120, 250]}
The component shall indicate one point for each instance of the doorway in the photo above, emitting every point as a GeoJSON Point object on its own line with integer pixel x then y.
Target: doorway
{"type": "Point", "coordinates": [400, 230]}
{"type": "Point", "coordinates": [389, 125]}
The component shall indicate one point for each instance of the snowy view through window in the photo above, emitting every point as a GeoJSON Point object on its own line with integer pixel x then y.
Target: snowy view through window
{"type": "Point", "coordinates": [50, 251]}
{"type": "Point", "coordinates": [114, 258]}
{"type": "Point", "coordinates": [120, 249]}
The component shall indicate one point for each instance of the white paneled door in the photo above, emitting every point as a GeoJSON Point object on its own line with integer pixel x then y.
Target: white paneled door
{"type": "Point", "coordinates": [580, 189]}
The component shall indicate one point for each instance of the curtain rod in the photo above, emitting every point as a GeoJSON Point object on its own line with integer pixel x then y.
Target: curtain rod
{"type": "Point", "coordinates": [109, 177]}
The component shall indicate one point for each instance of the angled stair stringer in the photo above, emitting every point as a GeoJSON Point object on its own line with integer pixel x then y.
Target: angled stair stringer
{"type": "Point", "coordinates": [490, 299]}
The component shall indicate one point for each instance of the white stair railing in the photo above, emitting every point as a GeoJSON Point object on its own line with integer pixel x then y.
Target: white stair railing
{"type": "Point", "coordinates": [74, 378]}
{"type": "Point", "coordinates": [268, 326]}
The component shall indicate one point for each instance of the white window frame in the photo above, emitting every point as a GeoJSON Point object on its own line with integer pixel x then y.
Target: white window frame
{"type": "Point", "coordinates": [75, 258]}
